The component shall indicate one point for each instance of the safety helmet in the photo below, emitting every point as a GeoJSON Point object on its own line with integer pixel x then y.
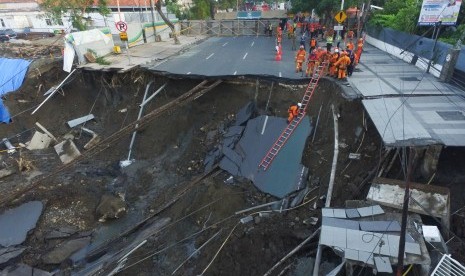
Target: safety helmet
{"type": "Point", "coordinates": [301, 46]}
{"type": "Point", "coordinates": [336, 50]}
{"type": "Point", "coordinates": [299, 104]}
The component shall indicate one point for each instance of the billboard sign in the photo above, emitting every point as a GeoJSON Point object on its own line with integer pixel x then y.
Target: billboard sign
{"type": "Point", "coordinates": [433, 11]}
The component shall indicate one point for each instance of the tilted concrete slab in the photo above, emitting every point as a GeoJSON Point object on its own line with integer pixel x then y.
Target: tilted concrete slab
{"type": "Point", "coordinates": [419, 120]}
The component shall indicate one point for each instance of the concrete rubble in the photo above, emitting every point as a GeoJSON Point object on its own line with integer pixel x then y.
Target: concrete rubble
{"type": "Point", "coordinates": [17, 222]}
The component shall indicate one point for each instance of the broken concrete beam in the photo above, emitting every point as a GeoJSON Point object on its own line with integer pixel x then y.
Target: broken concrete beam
{"type": "Point", "coordinates": [39, 141]}
{"type": "Point", "coordinates": [46, 131]}
{"type": "Point", "coordinates": [80, 120]}
{"type": "Point", "coordinates": [67, 151]}
{"type": "Point", "coordinates": [95, 138]}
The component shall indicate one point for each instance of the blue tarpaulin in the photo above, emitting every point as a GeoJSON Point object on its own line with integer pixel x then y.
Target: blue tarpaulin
{"type": "Point", "coordinates": [11, 78]}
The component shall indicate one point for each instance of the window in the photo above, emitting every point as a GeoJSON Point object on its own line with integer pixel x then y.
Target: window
{"type": "Point", "coordinates": [48, 21]}
{"type": "Point", "coordinates": [2, 22]}
{"type": "Point", "coordinates": [60, 22]}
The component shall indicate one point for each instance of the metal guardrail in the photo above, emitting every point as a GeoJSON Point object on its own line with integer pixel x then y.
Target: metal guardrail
{"type": "Point", "coordinates": [227, 27]}
{"type": "Point", "coordinates": [447, 266]}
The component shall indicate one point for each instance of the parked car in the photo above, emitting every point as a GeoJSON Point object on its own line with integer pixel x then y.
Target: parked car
{"type": "Point", "coordinates": [10, 33]}
{"type": "Point", "coordinates": [4, 37]}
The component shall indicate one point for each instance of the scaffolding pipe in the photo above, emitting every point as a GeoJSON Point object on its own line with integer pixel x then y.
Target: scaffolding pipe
{"type": "Point", "coordinates": [133, 138]}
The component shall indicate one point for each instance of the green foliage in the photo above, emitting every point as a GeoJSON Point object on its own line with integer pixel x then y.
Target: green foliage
{"type": "Point", "coordinates": [102, 61]}
{"type": "Point", "coordinates": [383, 20]}
{"type": "Point", "coordinates": [98, 59]}
{"type": "Point", "coordinates": [400, 15]}
{"type": "Point", "coordinates": [173, 7]}
{"type": "Point", "coordinates": [55, 9]}
{"type": "Point", "coordinates": [451, 36]}
{"type": "Point", "coordinates": [201, 9]}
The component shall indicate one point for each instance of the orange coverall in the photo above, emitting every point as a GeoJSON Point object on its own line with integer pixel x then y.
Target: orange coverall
{"type": "Point", "coordinates": [342, 64]}
{"type": "Point", "coordinates": [350, 45]}
{"type": "Point", "coordinates": [359, 49]}
{"type": "Point", "coordinates": [332, 60]}
{"type": "Point", "coordinates": [312, 44]}
{"type": "Point", "coordinates": [299, 59]}
{"type": "Point", "coordinates": [312, 59]}
{"type": "Point", "coordinates": [293, 111]}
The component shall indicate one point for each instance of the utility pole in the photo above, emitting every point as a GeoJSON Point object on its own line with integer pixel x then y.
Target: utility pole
{"type": "Point", "coordinates": [338, 34]}
{"type": "Point", "coordinates": [451, 60]}
{"type": "Point", "coordinates": [153, 20]}
{"type": "Point", "coordinates": [400, 257]}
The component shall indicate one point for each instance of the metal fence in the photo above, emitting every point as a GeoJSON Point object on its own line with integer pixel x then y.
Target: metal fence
{"type": "Point", "coordinates": [448, 267]}
{"type": "Point", "coordinates": [227, 27]}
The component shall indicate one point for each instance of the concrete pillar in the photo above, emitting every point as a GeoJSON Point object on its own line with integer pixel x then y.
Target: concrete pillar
{"type": "Point", "coordinates": [449, 66]}
{"type": "Point", "coordinates": [430, 160]}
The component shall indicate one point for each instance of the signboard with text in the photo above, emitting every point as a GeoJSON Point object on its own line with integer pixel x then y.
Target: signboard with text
{"type": "Point", "coordinates": [434, 11]}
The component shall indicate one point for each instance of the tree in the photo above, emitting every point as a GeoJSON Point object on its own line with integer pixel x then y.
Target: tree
{"type": "Point", "coordinates": [55, 9]}
{"type": "Point", "coordinates": [326, 8]}
{"type": "Point", "coordinates": [201, 9]}
{"type": "Point", "coordinates": [167, 21]}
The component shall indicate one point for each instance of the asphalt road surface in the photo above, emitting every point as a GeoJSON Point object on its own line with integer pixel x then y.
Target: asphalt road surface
{"type": "Point", "coordinates": [227, 57]}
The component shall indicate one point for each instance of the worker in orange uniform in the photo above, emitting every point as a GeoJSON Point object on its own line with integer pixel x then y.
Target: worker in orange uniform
{"type": "Point", "coordinates": [342, 64]}
{"type": "Point", "coordinates": [293, 111]}
{"type": "Point", "coordinates": [332, 61]}
{"type": "Point", "coordinates": [300, 59]}
{"type": "Point", "coordinates": [312, 44]}
{"type": "Point", "coordinates": [312, 59]}
{"type": "Point", "coordinates": [350, 45]}
{"type": "Point", "coordinates": [359, 49]}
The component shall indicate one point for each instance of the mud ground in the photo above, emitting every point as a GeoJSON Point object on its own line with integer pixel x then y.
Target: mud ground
{"type": "Point", "coordinates": [169, 154]}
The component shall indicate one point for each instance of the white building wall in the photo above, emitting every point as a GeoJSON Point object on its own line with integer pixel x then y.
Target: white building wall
{"type": "Point", "coordinates": [37, 22]}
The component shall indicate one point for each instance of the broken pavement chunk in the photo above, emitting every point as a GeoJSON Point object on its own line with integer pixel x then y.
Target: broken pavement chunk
{"type": "Point", "coordinates": [17, 222]}
{"type": "Point", "coordinates": [80, 120]}
{"type": "Point", "coordinates": [64, 250]}
{"type": "Point", "coordinates": [61, 232]}
{"type": "Point", "coordinates": [9, 253]}
{"type": "Point", "coordinates": [67, 151]}
{"type": "Point", "coordinates": [39, 141]}
{"type": "Point", "coordinates": [23, 270]}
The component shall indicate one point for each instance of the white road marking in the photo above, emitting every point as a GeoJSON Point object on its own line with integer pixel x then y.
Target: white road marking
{"type": "Point", "coordinates": [225, 44]}
{"type": "Point", "coordinates": [235, 72]}
{"type": "Point", "coordinates": [252, 43]}
{"type": "Point", "coordinates": [264, 124]}
{"type": "Point", "coordinates": [245, 55]}
{"type": "Point", "coordinates": [210, 56]}
{"type": "Point", "coordinates": [188, 73]}
{"type": "Point", "coordinates": [280, 74]}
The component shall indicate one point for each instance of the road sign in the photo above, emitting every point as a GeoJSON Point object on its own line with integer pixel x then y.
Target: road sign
{"type": "Point", "coordinates": [123, 36]}
{"type": "Point", "coordinates": [121, 26]}
{"type": "Point", "coordinates": [340, 17]}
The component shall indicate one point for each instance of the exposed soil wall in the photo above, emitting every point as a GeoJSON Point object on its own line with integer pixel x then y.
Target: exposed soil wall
{"type": "Point", "coordinates": [169, 154]}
